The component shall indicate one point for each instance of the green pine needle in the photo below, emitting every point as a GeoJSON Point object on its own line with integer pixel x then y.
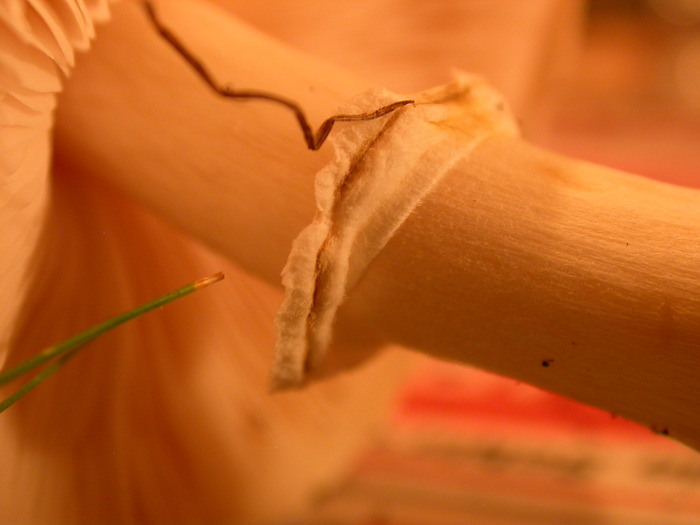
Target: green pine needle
{"type": "Point", "coordinates": [62, 352]}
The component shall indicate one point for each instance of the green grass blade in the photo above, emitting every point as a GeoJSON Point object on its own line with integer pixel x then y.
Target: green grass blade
{"type": "Point", "coordinates": [68, 348]}
{"type": "Point", "coordinates": [34, 382]}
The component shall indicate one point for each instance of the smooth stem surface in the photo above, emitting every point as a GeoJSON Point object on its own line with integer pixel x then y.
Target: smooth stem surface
{"type": "Point", "coordinates": [574, 277]}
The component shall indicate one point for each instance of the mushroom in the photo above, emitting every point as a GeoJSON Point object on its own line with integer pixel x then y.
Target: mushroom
{"type": "Point", "coordinates": [514, 258]}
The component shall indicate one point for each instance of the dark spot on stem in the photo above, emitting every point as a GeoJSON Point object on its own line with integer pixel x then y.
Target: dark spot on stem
{"type": "Point", "coordinates": [660, 430]}
{"type": "Point", "coordinates": [547, 362]}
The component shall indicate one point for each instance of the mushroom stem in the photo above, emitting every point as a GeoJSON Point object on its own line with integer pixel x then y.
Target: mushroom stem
{"type": "Point", "coordinates": [574, 277]}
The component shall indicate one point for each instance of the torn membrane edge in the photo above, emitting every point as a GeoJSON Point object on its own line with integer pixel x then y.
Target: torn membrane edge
{"type": "Point", "coordinates": [382, 169]}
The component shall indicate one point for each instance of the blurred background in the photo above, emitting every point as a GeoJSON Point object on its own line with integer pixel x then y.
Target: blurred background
{"type": "Point", "coordinates": [634, 101]}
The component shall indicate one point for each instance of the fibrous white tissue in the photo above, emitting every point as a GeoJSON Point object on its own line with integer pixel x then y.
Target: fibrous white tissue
{"type": "Point", "coordinates": [382, 169]}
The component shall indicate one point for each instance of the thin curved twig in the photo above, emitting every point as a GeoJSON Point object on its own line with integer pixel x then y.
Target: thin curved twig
{"type": "Point", "coordinates": [314, 140]}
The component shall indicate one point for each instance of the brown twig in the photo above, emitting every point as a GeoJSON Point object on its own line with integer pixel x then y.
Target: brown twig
{"type": "Point", "coordinates": [314, 140]}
